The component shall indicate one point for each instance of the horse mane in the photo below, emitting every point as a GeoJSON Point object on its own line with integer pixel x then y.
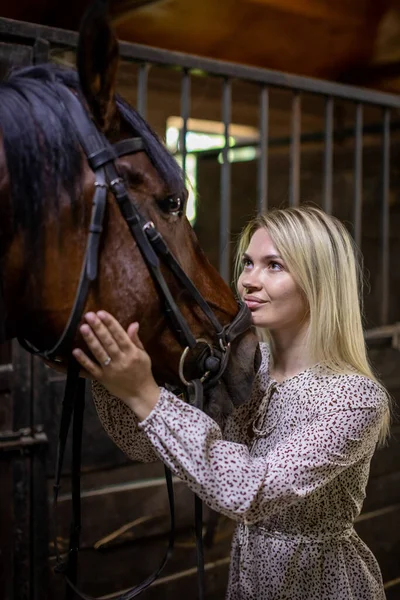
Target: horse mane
{"type": "Point", "coordinates": [42, 151]}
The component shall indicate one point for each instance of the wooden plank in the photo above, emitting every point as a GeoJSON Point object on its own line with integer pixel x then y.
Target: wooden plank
{"type": "Point", "coordinates": [385, 362]}
{"type": "Point", "coordinates": [382, 491]}
{"type": "Point", "coordinates": [6, 531]}
{"type": "Point", "coordinates": [98, 450]}
{"type": "Point", "coordinates": [102, 573]}
{"type": "Point", "coordinates": [145, 507]}
{"type": "Point", "coordinates": [22, 474]}
{"type": "Point", "coordinates": [39, 505]}
{"type": "Point", "coordinates": [5, 368]}
{"type": "Point", "coordinates": [5, 353]}
{"type": "Point", "coordinates": [120, 474]}
{"type": "Point", "coordinates": [6, 505]}
{"type": "Point", "coordinates": [377, 530]}
{"type": "Point", "coordinates": [392, 589]}
{"type": "Point", "coordinates": [6, 414]}
{"type": "Point", "coordinates": [387, 460]}
{"type": "Point", "coordinates": [21, 469]}
{"type": "Point", "coordinates": [340, 12]}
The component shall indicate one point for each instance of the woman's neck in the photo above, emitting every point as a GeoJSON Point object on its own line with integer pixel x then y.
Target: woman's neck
{"type": "Point", "coordinates": [289, 353]}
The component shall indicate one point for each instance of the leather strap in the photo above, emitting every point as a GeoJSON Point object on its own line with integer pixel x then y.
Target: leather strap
{"type": "Point", "coordinates": [130, 146]}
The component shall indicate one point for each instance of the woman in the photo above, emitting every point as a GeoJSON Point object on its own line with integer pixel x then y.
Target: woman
{"type": "Point", "coordinates": [291, 466]}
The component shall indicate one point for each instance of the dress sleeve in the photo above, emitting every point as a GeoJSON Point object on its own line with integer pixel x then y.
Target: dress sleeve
{"type": "Point", "coordinates": [121, 425]}
{"type": "Point", "coordinates": [227, 478]}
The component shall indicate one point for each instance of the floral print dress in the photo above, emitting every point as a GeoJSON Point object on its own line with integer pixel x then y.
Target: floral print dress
{"type": "Point", "coordinates": [291, 467]}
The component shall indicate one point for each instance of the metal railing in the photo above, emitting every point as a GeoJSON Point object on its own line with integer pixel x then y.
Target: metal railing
{"type": "Point", "coordinates": [40, 39]}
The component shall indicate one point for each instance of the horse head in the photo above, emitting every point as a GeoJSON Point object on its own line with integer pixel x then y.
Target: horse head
{"type": "Point", "coordinates": [46, 192]}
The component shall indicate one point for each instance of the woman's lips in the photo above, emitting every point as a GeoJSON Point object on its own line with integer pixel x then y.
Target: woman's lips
{"type": "Point", "coordinates": [254, 303]}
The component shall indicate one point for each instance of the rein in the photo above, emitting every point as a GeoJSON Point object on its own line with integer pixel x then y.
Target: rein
{"type": "Point", "coordinates": [101, 156]}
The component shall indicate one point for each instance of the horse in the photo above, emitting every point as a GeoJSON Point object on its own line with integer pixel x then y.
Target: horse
{"type": "Point", "coordinates": [66, 144]}
{"type": "Point", "coordinates": [46, 191]}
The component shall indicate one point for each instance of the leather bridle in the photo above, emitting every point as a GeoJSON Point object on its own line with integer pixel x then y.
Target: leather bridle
{"type": "Point", "coordinates": [101, 156]}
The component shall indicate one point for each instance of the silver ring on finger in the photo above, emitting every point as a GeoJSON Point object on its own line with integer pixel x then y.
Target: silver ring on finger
{"type": "Point", "coordinates": [107, 361]}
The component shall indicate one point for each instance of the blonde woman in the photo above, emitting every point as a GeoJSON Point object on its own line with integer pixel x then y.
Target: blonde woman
{"type": "Point", "coordinates": [291, 466]}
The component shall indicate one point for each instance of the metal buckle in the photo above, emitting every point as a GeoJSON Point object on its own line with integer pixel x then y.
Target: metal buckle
{"type": "Point", "coordinates": [224, 347]}
{"type": "Point", "coordinates": [183, 358]}
{"type": "Point", "coordinates": [115, 181]}
{"type": "Point", "coordinates": [149, 225]}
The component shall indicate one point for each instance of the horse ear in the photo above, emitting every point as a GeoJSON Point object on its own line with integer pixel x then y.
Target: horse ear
{"type": "Point", "coordinates": [97, 63]}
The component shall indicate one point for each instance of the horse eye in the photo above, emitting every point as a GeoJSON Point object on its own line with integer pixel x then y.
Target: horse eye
{"type": "Point", "coordinates": [174, 205]}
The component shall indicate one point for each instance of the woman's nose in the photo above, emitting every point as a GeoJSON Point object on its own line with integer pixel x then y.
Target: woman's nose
{"type": "Point", "coordinates": [251, 281]}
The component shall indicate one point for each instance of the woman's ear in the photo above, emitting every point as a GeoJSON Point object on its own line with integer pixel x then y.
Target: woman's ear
{"type": "Point", "coordinates": [97, 63]}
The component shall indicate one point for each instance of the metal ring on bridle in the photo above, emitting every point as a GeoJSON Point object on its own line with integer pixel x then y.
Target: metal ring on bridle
{"type": "Point", "coordinates": [148, 225]}
{"type": "Point", "coordinates": [115, 181]}
{"type": "Point", "coordinates": [183, 358]}
{"type": "Point", "coordinates": [224, 347]}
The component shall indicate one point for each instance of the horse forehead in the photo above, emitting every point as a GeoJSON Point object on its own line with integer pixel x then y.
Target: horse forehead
{"type": "Point", "coordinates": [143, 171]}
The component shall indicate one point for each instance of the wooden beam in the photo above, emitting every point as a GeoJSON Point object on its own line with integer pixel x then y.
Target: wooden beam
{"type": "Point", "coordinates": [343, 11]}
{"type": "Point", "coordinates": [122, 10]}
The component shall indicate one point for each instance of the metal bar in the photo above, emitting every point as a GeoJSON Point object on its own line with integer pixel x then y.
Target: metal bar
{"type": "Point", "coordinates": [328, 156]}
{"type": "Point", "coordinates": [185, 112]}
{"type": "Point", "coordinates": [42, 391]}
{"type": "Point", "coordinates": [308, 138]}
{"type": "Point", "coordinates": [225, 208]}
{"type": "Point", "coordinates": [22, 443]}
{"type": "Point", "coordinates": [262, 174]}
{"type": "Point", "coordinates": [385, 217]}
{"type": "Point", "coordinates": [141, 104]}
{"type": "Point", "coordinates": [358, 174]}
{"type": "Point", "coordinates": [28, 32]}
{"type": "Point", "coordinates": [7, 531]}
{"type": "Point", "coordinates": [294, 182]}
{"type": "Point", "coordinates": [390, 333]}
{"type": "Point", "coordinates": [41, 50]}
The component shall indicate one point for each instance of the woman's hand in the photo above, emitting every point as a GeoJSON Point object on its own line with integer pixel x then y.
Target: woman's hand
{"type": "Point", "coordinates": [123, 366]}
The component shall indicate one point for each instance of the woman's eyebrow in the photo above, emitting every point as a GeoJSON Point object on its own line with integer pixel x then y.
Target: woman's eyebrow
{"type": "Point", "coordinates": [264, 258]}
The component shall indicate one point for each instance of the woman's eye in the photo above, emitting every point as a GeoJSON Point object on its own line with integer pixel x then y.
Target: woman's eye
{"type": "Point", "coordinates": [275, 266]}
{"type": "Point", "coordinates": [246, 263]}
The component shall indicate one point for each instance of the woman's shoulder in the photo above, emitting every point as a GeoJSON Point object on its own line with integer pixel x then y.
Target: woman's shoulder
{"type": "Point", "coordinates": [352, 390]}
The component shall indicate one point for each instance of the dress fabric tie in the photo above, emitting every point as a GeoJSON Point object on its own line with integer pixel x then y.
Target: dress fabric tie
{"type": "Point", "coordinates": [258, 424]}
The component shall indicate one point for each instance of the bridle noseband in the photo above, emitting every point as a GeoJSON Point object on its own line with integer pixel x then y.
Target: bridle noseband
{"type": "Point", "coordinates": [101, 156]}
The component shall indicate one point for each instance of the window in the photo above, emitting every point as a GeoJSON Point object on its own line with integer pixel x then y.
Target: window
{"type": "Point", "coordinates": [203, 136]}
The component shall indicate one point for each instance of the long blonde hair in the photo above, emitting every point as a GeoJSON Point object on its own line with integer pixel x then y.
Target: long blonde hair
{"type": "Point", "coordinates": [322, 258]}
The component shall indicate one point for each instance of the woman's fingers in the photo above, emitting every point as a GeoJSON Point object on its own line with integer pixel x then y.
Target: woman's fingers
{"type": "Point", "coordinates": [101, 354]}
{"type": "Point", "coordinates": [94, 370]}
{"type": "Point", "coordinates": [133, 333]}
{"type": "Point", "coordinates": [103, 335]}
{"type": "Point", "coordinates": [116, 330]}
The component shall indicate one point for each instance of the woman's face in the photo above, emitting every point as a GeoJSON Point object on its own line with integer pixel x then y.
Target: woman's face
{"type": "Point", "coordinates": [269, 290]}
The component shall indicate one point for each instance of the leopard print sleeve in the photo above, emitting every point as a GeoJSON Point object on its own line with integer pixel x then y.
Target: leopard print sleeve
{"type": "Point", "coordinates": [121, 425]}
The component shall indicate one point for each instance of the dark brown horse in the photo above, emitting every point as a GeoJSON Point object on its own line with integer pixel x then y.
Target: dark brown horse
{"type": "Point", "coordinates": [46, 192]}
